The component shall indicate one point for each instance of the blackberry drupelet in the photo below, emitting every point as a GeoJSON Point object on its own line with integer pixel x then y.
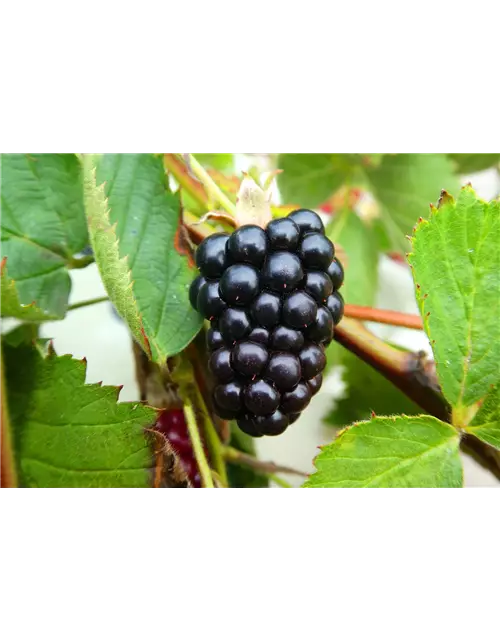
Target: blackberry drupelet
{"type": "Point", "coordinates": [272, 298]}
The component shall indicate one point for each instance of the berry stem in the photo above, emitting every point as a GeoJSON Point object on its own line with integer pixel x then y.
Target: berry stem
{"type": "Point", "coordinates": [199, 454]}
{"type": "Point", "coordinates": [87, 303]}
{"type": "Point", "coordinates": [384, 316]}
{"type": "Point", "coordinates": [214, 193]}
{"type": "Point", "coordinates": [8, 473]}
{"type": "Point", "coordinates": [269, 468]}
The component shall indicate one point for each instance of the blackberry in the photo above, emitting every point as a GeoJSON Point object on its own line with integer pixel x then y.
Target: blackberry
{"type": "Point", "coordinates": [272, 298]}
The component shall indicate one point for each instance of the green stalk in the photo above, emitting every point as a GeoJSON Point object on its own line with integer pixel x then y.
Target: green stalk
{"type": "Point", "coordinates": [199, 454]}
{"type": "Point", "coordinates": [87, 303]}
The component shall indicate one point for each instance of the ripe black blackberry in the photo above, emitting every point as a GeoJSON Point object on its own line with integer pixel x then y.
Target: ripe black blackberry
{"type": "Point", "coordinates": [272, 298]}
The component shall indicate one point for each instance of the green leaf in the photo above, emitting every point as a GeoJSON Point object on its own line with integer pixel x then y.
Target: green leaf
{"type": "Point", "coordinates": [486, 423]}
{"type": "Point", "coordinates": [43, 226]}
{"type": "Point", "coordinates": [219, 161]}
{"type": "Point", "coordinates": [115, 272]}
{"type": "Point", "coordinates": [147, 218]}
{"type": "Point", "coordinates": [456, 269]}
{"type": "Point", "coordinates": [11, 306]}
{"type": "Point", "coordinates": [474, 162]}
{"type": "Point", "coordinates": [399, 451]}
{"type": "Point", "coordinates": [311, 178]}
{"type": "Point", "coordinates": [404, 185]}
{"type": "Point", "coordinates": [367, 391]}
{"type": "Point", "coordinates": [70, 434]}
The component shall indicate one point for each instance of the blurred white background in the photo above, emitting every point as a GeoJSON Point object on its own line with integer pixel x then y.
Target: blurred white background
{"type": "Point", "coordinates": [96, 333]}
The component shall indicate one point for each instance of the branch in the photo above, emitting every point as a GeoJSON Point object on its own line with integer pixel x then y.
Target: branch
{"type": "Point", "coordinates": [270, 468]}
{"type": "Point", "coordinates": [383, 316]}
{"type": "Point", "coordinates": [415, 376]}
{"type": "Point", "coordinates": [486, 456]}
{"type": "Point", "coordinates": [410, 372]}
{"type": "Point", "coordinates": [8, 473]}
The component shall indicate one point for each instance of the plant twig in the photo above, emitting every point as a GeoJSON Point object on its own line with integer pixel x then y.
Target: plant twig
{"type": "Point", "coordinates": [238, 457]}
{"type": "Point", "coordinates": [8, 473]}
{"type": "Point", "coordinates": [415, 376]}
{"type": "Point", "coordinates": [87, 303]}
{"type": "Point", "coordinates": [199, 454]}
{"type": "Point", "coordinates": [384, 316]}
{"type": "Point", "coordinates": [411, 372]}
{"type": "Point", "coordinates": [214, 192]}
{"type": "Point", "coordinates": [486, 456]}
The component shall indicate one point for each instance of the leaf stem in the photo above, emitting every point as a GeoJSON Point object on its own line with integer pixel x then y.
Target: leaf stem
{"type": "Point", "coordinates": [214, 192]}
{"type": "Point", "coordinates": [8, 473]}
{"type": "Point", "coordinates": [87, 303]}
{"type": "Point", "coordinates": [384, 316]}
{"type": "Point", "coordinates": [199, 454]}
{"type": "Point", "coordinates": [238, 457]}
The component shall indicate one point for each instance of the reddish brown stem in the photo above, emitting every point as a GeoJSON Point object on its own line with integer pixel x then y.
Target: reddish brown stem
{"type": "Point", "coordinates": [383, 316]}
{"type": "Point", "coordinates": [8, 473]}
{"type": "Point", "coordinates": [410, 372]}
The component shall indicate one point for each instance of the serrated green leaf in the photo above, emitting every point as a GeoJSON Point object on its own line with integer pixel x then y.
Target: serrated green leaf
{"type": "Point", "coordinates": [404, 185]}
{"type": "Point", "coordinates": [474, 162]}
{"type": "Point", "coordinates": [219, 161]}
{"type": "Point", "coordinates": [399, 451]}
{"type": "Point", "coordinates": [311, 178]}
{"type": "Point", "coordinates": [11, 306]}
{"type": "Point", "coordinates": [43, 226]}
{"type": "Point", "coordinates": [70, 434]}
{"type": "Point", "coordinates": [147, 217]}
{"type": "Point", "coordinates": [486, 423]}
{"type": "Point", "coordinates": [114, 270]}
{"type": "Point", "coordinates": [367, 391]}
{"type": "Point", "coordinates": [456, 269]}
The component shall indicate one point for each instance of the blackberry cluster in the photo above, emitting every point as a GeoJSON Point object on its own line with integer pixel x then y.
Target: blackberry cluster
{"type": "Point", "coordinates": [172, 424]}
{"type": "Point", "coordinates": [272, 299]}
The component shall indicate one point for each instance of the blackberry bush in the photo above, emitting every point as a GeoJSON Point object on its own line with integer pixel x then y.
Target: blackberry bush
{"type": "Point", "coordinates": [246, 342]}
{"type": "Point", "coordinates": [272, 299]}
